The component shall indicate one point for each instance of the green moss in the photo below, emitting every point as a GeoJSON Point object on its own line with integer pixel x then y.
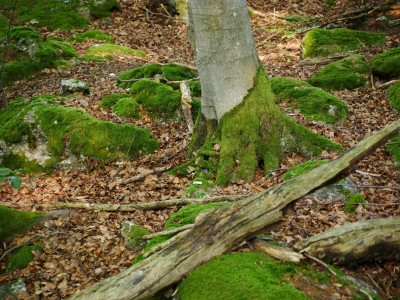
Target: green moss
{"type": "Point", "coordinates": [104, 52]}
{"type": "Point", "coordinates": [20, 161]}
{"type": "Point", "coordinates": [102, 9]}
{"type": "Point", "coordinates": [65, 49]}
{"type": "Point", "coordinates": [314, 103]}
{"type": "Point", "coordinates": [323, 42]}
{"type": "Point", "coordinates": [22, 257]}
{"type": "Point", "coordinates": [3, 26]}
{"type": "Point", "coordinates": [348, 73]}
{"type": "Point", "coordinates": [353, 201]}
{"type": "Point", "coordinates": [393, 147]}
{"type": "Point", "coordinates": [126, 107]}
{"type": "Point", "coordinates": [94, 34]}
{"type": "Point", "coordinates": [171, 72]}
{"type": "Point", "coordinates": [53, 14]}
{"type": "Point", "coordinates": [13, 222]}
{"type": "Point", "coordinates": [387, 64]}
{"type": "Point", "coordinates": [195, 88]}
{"type": "Point", "coordinates": [245, 275]}
{"type": "Point", "coordinates": [393, 94]}
{"type": "Point", "coordinates": [110, 100]}
{"type": "Point", "coordinates": [159, 99]}
{"type": "Point", "coordinates": [72, 128]}
{"type": "Point", "coordinates": [302, 168]}
{"type": "Point", "coordinates": [196, 108]}
{"type": "Point", "coordinates": [134, 237]}
{"type": "Point", "coordinates": [19, 69]}
{"type": "Point", "coordinates": [198, 188]}
{"type": "Point", "coordinates": [24, 34]}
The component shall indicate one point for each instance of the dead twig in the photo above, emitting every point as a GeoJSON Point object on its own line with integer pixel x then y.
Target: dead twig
{"type": "Point", "coordinates": [389, 83]}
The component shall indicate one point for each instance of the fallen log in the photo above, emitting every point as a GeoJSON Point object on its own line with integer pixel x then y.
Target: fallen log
{"type": "Point", "coordinates": [364, 240]}
{"type": "Point", "coordinates": [222, 228]}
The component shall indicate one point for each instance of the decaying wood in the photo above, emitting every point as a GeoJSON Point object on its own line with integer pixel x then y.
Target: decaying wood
{"type": "Point", "coordinates": [167, 232]}
{"type": "Point", "coordinates": [223, 228]}
{"type": "Point", "coordinates": [150, 205]}
{"type": "Point", "coordinates": [277, 252]}
{"type": "Point", "coordinates": [354, 242]}
{"type": "Point", "coordinates": [186, 102]}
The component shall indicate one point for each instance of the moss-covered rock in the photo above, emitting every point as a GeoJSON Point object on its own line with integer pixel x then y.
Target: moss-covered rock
{"type": "Point", "coordinates": [22, 257]}
{"type": "Point", "coordinates": [13, 222]}
{"type": "Point", "coordinates": [158, 99]}
{"type": "Point", "coordinates": [133, 235]}
{"type": "Point", "coordinates": [245, 275]}
{"type": "Point", "coordinates": [314, 103]}
{"type": "Point", "coordinates": [126, 107]}
{"type": "Point", "coordinates": [93, 34]}
{"type": "Point", "coordinates": [393, 147]}
{"type": "Point", "coordinates": [11, 289]}
{"type": "Point", "coordinates": [110, 100]}
{"type": "Point", "coordinates": [324, 42]}
{"type": "Point", "coordinates": [171, 72]}
{"type": "Point", "coordinates": [53, 14]}
{"type": "Point", "coordinates": [387, 64]}
{"type": "Point", "coordinates": [107, 52]}
{"type": "Point", "coordinates": [24, 34]}
{"type": "Point", "coordinates": [353, 201]}
{"type": "Point", "coordinates": [393, 94]}
{"type": "Point", "coordinates": [47, 132]}
{"type": "Point", "coordinates": [102, 8]}
{"type": "Point", "coordinates": [348, 73]}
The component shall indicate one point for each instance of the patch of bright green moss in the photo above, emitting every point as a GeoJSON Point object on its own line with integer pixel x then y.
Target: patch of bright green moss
{"type": "Point", "coordinates": [13, 221]}
{"type": "Point", "coordinates": [22, 257]}
{"type": "Point", "coordinates": [387, 64]}
{"type": "Point", "coordinates": [393, 94]}
{"type": "Point", "coordinates": [23, 34]}
{"type": "Point", "coordinates": [393, 147]}
{"type": "Point", "coordinates": [245, 275]}
{"type": "Point", "coordinates": [126, 107]}
{"type": "Point", "coordinates": [324, 42]}
{"type": "Point", "coordinates": [183, 169]}
{"type": "Point", "coordinates": [65, 49]}
{"type": "Point", "coordinates": [171, 72]}
{"type": "Point", "coordinates": [105, 52]}
{"type": "Point", "coordinates": [195, 88]}
{"type": "Point", "coordinates": [20, 161]}
{"type": "Point", "coordinates": [134, 237]}
{"type": "Point", "coordinates": [348, 73]}
{"type": "Point", "coordinates": [53, 14]}
{"type": "Point", "coordinates": [102, 8]}
{"type": "Point", "coordinates": [93, 34]}
{"type": "Point", "coordinates": [110, 100]}
{"type": "Point", "coordinates": [72, 128]}
{"type": "Point", "coordinates": [314, 103]}
{"type": "Point", "coordinates": [187, 215]}
{"type": "Point", "coordinates": [159, 99]}
{"type": "Point", "coordinates": [19, 69]}
{"type": "Point", "coordinates": [352, 203]}
{"type": "Point", "coordinates": [302, 168]}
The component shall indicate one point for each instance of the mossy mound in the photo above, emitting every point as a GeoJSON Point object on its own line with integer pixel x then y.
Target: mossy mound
{"type": "Point", "coordinates": [314, 103]}
{"type": "Point", "coordinates": [94, 34]}
{"type": "Point", "coordinates": [353, 202]}
{"type": "Point", "coordinates": [108, 52]}
{"type": "Point", "coordinates": [245, 275]}
{"type": "Point", "coordinates": [393, 94]}
{"type": "Point", "coordinates": [50, 132]}
{"type": "Point", "coordinates": [53, 14]}
{"type": "Point", "coordinates": [13, 221]}
{"type": "Point", "coordinates": [324, 42]}
{"type": "Point", "coordinates": [302, 168]}
{"type": "Point", "coordinates": [170, 72]}
{"type": "Point", "coordinates": [133, 235]}
{"type": "Point", "coordinates": [102, 8]}
{"type": "Point", "coordinates": [126, 107]}
{"type": "Point", "coordinates": [348, 73]}
{"type": "Point", "coordinates": [22, 257]}
{"type": "Point", "coordinates": [110, 100]}
{"type": "Point", "coordinates": [3, 26]}
{"type": "Point", "coordinates": [158, 99]}
{"type": "Point", "coordinates": [393, 147]}
{"type": "Point", "coordinates": [387, 64]}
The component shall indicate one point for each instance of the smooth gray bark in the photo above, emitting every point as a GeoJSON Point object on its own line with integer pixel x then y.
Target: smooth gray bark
{"type": "Point", "coordinates": [225, 53]}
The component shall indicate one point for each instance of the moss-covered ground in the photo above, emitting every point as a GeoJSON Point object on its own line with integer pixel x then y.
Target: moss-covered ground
{"type": "Point", "coordinates": [13, 221]}
{"type": "Point", "coordinates": [107, 52]}
{"type": "Point", "coordinates": [314, 103]}
{"type": "Point", "coordinates": [93, 34]}
{"type": "Point", "coordinates": [393, 95]}
{"type": "Point", "coordinates": [324, 42]}
{"type": "Point", "coordinates": [387, 64]}
{"type": "Point", "coordinates": [22, 257]}
{"type": "Point", "coordinates": [393, 147]}
{"type": "Point", "coordinates": [349, 73]}
{"type": "Point", "coordinates": [126, 107]}
{"type": "Point", "coordinates": [70, 130]}
{"type": "Point", "coordinates": [353, 201]}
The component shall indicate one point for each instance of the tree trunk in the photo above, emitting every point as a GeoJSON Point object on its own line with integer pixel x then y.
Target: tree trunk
{"type": "Point", "coordinates": [354, 242]}
{"type": "Point", "coordinates": [222, 228]}
{"type": "Point", "coordinates": [225, 53]}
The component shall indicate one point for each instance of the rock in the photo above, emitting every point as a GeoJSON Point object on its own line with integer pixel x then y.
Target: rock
{"type": "Point", "coordinates": [387, 63]}
{"type": "Point", "coordinates": [69, 86]}
{"type": "Point", "coordinates": [12, 288]}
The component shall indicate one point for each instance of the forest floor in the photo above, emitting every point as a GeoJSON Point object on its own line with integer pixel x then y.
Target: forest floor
{"type": "Point", "coordinates": [87, 246]}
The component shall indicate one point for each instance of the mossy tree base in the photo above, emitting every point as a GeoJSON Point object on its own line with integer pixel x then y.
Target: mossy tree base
{"type": "Point", "coordinates": [254, 131]}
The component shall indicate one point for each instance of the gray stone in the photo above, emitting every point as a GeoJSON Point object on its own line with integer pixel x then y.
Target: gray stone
{"type": "Point", "coordinates": [74, 86]}
{"type": "Point", "coordinates": [338, 190]}
{"type": "Point", "coordinates": [11, 288]}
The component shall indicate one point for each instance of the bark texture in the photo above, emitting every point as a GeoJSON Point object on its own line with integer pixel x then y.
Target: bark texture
{"type": "Point", "coordinates": [354, 242]}
{"type": "Point", "coordinates": [222, 228]}
{"type": "Point", "coordinates": [225, 53]}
